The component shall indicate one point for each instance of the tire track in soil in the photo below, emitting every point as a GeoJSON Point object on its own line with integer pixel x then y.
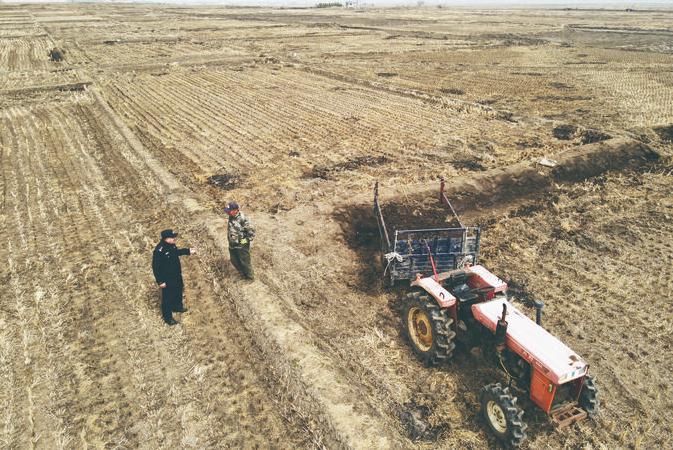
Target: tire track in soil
{"type": "Point", "coordinates": [27, 360]}
{"type": "Point", "coordinates": [89, 203]}
{"type": "Point", "coordinates": [207, 346]}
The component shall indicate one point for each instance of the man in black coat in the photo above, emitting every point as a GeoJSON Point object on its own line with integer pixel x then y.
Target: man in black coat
{"type": "Point", "coordinates": [168, 274]}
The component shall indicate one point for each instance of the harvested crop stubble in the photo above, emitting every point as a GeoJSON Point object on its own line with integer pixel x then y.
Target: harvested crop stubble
{"type": "Point", "coordinates": [102, 367]}
{"type": "Point", "coordinates": [197, 119]}
{"type": "Point", "coordinates": [312, 353]}
{"type": "Point", "coordinates": [580, 257]}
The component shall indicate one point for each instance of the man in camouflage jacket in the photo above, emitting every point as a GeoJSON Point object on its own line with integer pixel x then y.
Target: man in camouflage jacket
{"type": "Point", "coordinates": [240, 234]}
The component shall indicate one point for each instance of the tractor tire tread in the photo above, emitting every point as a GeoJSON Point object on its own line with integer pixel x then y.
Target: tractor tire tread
{"type": "Point", "coordinates": [516, 427]}
{"type": "Point", "coordinates": [589, 396]}
{"type": "Point", "coordinates": [443, 346]}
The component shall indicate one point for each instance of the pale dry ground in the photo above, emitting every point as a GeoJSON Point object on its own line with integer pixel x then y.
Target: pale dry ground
{"type": "Point", "coordinates": [272, 127]}
{"type": "Point", "coordinates": [304, 110]}
{"type": "Point", "coordinates": [586, 257]}
{"type": "Point", "coordinates": [86, 359]}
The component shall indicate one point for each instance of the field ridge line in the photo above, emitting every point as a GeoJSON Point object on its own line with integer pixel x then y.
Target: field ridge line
{"type": "Point", "coordinates": [523, 177]}
{"type": "Point", "coordinates": [314, 381]}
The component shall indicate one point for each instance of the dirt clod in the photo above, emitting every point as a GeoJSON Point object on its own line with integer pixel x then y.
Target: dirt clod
{"type": "Point", "coordinates": [224, 181]}
{"type": "Point", "coordinates": [591, 136]}
{"type": "Point", "coordinates": [565, 132]}
{"type": "Point", "coordinates": [328, 172]}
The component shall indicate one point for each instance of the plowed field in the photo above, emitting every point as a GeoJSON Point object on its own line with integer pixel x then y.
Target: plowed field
{"type": "Point", "coordinates": [158, 116]}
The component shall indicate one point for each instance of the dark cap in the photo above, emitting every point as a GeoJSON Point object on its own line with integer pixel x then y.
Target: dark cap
{"type": "Point", "coordinates": [231, 206]}
{"type": "Point", "coordinates": [168, 234]}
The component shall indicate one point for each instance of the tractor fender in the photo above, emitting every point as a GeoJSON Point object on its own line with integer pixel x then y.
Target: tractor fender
{"type": "Point", "coordinates": [443, 297]}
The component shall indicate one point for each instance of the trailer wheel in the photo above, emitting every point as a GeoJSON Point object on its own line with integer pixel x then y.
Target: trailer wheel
{"type": "Point", "coordinates": [503, 416]}
{"type": "Point", "coordinates": [589, 396]}
{"type": "Point", "coordinates": [429, 329]}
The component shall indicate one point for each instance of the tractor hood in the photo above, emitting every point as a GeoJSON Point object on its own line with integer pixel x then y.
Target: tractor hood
{"type": "Point", "coordinates": [532, 342]}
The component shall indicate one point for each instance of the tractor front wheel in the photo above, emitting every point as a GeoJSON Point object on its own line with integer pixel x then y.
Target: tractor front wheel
{"type": "Point", "coordinates": [589, 396]}
{"type": "Point", "coordinates": [503, 415]}
{"type": "Point", "coordinates": [428, 328]}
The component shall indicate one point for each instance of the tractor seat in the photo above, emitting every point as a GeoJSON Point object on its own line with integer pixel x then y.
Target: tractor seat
{"type": "Point", "coordinates": [457, 278]}
{"type": "Point", "coordinates": [464, 293]}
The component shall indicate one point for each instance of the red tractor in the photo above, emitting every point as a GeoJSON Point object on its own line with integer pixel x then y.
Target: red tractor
{"type": "Point", "coordinates": [456, 300]}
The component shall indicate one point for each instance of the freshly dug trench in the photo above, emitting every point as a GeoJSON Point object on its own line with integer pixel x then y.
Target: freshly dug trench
{"type": "Point", "coordinates": [492, 189]}
{"type": "Point", "coordinates": [526, 178]}
{"type": "Point", "coordinates": [564, 132]}
{"type": "Point", "coordinates": [665, 132]}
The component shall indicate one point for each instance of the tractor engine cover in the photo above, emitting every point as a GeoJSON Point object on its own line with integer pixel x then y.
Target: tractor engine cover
{"type": "Point", "coordinates": [545, 353]}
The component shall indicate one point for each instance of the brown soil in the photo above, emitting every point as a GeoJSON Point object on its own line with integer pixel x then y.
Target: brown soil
{"type": "Point", "coordinates": [160, 115]}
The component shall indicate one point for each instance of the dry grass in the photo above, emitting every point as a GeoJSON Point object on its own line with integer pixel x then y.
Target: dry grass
{"type": "Point", "coordinates": [301, 111]}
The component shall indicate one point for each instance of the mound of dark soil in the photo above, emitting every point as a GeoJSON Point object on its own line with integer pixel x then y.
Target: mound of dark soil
{"type": "Point", "coordinates": [453, 91]}
{"type": "Point", "coordinates": [665, 132]}
{"type": "Point", "coordinates": [56, 54]}
{"type": "Point", "coordinates": [328, 172]}
{"type": "Point", "coordinates": [565, 132]}
{"type": "Point", "coordinates": [224, 181]}
{"type": "Point", "coordinates": [386, 74]}
{"type": "Point", "coordinates": [591, 136]}
{"type": "Point", "coordinates": [530, 143]}
{"type": "Point", "coordinates": [414, 417]}
{"type": "Point", "coordinates": [468, 164]}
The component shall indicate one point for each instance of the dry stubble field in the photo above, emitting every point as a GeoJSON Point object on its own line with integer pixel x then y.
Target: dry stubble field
{"type": "Point", "coordinates": [159, 115]}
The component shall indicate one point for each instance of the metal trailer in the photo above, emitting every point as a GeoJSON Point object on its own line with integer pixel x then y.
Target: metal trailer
{"type": "Point", "coordinates": [413, 252]}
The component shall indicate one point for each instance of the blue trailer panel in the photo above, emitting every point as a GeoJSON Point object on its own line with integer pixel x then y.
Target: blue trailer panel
{"type": "Point", "coordinates": [407, 254]}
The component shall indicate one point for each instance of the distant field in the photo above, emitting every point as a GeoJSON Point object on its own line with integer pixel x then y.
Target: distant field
{"type": "Point", "coordinates": [160, 115]}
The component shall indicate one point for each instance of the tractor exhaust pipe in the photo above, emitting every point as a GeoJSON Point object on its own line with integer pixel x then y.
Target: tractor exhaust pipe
{"type": "Point", "coordinates": [538, 311]}
{"type": "Point", "coordinates": [501, 330]}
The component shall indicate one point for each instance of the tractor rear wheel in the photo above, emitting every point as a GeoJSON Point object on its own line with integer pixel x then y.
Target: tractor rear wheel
{"type": "Point", "coordinates": [589, 396]}
{"type": "Point", "coordinates": [503, 415]}
{"type": "Point", "coordinates": [428, 328]}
